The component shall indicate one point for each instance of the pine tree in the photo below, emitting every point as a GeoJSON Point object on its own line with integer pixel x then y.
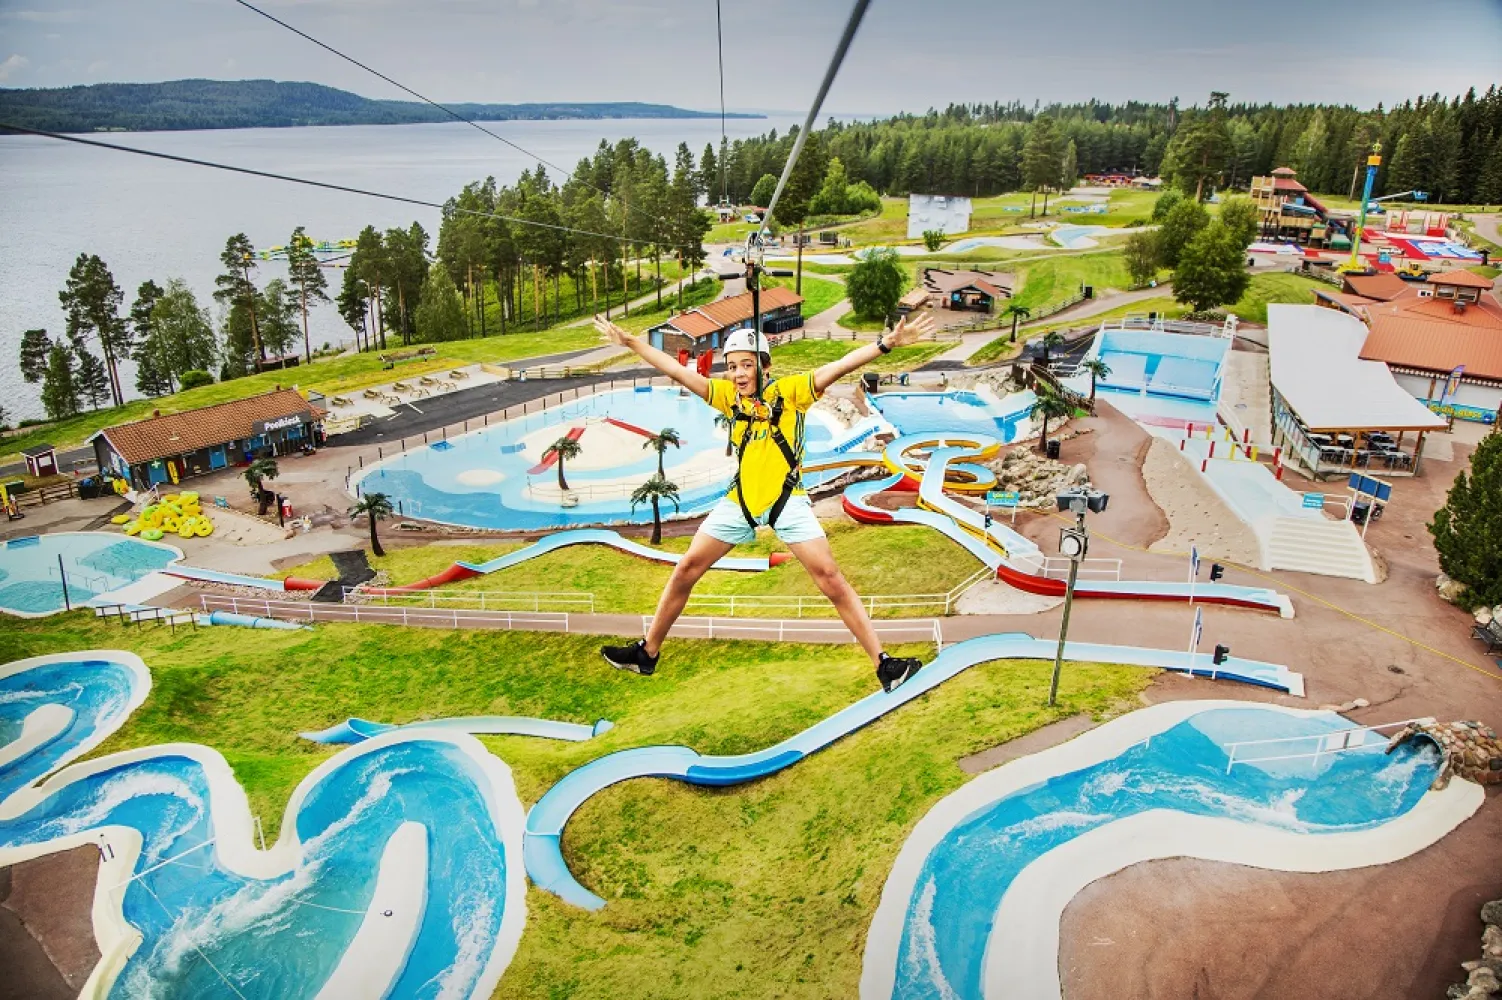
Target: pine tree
{"type": "Point", "coordinates": [1467, 530]}
{"type": "Point", "coordinates": [91, 380]}
{"type": "Point", "coordinates": [59, 393]}
{"type": "Point", "coordinates": [304, 272]}
{"type": "Point", "coordinates": [440, 312]}
{"type": "Point", "coordinates": [36, 346]}
{"type": "Point", "coordinates": [92, 301]}
{"type": "Point", "coordinates": [1040, 160]}
{"type": "Point", "coordinates": [153, 377]}
{"type": "Point", "coordinates": [235, 287]}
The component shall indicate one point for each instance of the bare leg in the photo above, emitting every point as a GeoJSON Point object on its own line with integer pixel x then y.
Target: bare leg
{"type": "Point", "coordinates": [703, 552]}
{"type": "Point", "coordinates": [818, 560]}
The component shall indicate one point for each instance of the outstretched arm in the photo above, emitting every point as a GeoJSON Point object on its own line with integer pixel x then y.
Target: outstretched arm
{"type": "Point", "coordinates": [908, 329]}
{"type": "Point", "coordinates": [661, 360]}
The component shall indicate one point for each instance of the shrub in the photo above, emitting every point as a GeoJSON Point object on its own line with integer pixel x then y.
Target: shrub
{"type": "Point", "coordinates": [195, 378]}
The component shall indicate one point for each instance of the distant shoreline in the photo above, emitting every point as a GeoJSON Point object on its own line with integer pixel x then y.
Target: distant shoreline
{"type": "Point", "coordinates": [199, 105]}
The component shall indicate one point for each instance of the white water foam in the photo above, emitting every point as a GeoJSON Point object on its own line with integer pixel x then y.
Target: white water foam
{"type": "Point", "coordinates": [923, 956]}
{"type": "Point", "coordinates": [69, 691]}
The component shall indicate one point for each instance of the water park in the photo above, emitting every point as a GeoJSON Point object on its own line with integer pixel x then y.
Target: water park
{"type": "Point", "coordinates": [1107, 651]}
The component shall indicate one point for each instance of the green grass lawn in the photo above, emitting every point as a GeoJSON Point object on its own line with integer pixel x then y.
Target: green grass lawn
{"type": "Point", "coordinates": [764, 890]}
{"type": "Point", "coordinates": [818, 294]}
{"type": "Point", "coordinates": [1486, 271]}
{"type": "Point", "coordinates": [803, 355]}
{"type": "Point", "coordinates": [903, 559]}
{"type": "Point", "coordinates": [1045, 282]}
{"type": "Point", "coordinates": [693, 295]}
{"type": "Point", "coordinates": [327, 375]}
{"type": "Point", "coordinates": [1265, 288]}
{"type": "Point", "coordinates": [861, 324]}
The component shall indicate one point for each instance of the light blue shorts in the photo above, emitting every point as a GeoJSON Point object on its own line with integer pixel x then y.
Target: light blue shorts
{"type": "Point", "coordinates": [795, 524]}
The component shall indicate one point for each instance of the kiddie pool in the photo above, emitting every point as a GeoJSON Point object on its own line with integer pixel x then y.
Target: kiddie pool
{"type": "Point", "coordinates": [491, 477]}
{"type": "Point", "coordinates": [94, 563]}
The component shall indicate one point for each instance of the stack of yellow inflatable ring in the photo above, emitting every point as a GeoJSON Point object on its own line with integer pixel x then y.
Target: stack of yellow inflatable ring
{"type": "Point", "coordinates": [177, 512]}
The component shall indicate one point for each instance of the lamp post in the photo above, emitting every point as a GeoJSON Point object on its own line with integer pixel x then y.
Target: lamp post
{"type": "Point", "coordinates": [1074, 543]}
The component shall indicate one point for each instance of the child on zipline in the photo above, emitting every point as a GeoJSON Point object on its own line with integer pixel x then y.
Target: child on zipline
{"type": "Point", "coordinates": [766, 431]}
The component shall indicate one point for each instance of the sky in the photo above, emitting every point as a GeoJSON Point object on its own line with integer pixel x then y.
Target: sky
{"type": "Point", "coordinates": [907, 57]}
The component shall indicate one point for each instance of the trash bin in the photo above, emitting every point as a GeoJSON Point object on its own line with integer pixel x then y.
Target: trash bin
{"type": "Point", "coordinates": [1053, 449]}
{"type": "Point", "coordinates": [1088, 291]}
{"type": "Point", "coordinates": [870, 380]}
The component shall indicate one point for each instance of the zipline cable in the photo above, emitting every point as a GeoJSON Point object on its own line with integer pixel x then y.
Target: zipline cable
{"type": "Point", "coordinates": [719, 37]}
{"type": "Point", "coordinates": [856, 13]}
{"type": "Point", "coordinates": [567, 174]}
{"type": "Point", "coordinates": [62, 137]}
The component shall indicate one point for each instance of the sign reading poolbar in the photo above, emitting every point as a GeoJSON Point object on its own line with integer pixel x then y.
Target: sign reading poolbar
{"type": "Point", "coordinates": [280, 423]}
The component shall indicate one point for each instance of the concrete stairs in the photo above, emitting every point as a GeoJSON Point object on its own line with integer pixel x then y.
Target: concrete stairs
{"type": "Point", "coordinates": [1318, 545]}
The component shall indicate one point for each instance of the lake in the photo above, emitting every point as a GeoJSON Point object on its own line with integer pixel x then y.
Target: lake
{"type": "Point", "coordinates": [154, 219]}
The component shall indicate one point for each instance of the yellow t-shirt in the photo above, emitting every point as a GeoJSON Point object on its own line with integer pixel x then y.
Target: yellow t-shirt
{"type": "Point", "coordinates": [763, 467]}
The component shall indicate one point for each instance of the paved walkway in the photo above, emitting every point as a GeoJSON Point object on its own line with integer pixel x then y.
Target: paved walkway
{"type": "Point", "coordinates": [971, 343]}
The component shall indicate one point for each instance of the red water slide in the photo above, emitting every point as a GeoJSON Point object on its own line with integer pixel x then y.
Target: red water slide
{"type": "Point", "coordinates": [574, 434]}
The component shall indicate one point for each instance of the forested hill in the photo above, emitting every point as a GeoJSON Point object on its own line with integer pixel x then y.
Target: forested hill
{"type": "Point", "coordinates": [203, 104]}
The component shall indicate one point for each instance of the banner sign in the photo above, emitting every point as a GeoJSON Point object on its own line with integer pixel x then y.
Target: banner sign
{"type": "Point", "coordinates": [1002, 498]}
{"type": "Point", "coordinates": [267, 426]}
{"type": "Point", "coordinates": [1314, 501]}
{"type": "Point", "coordinates": [1462, 411]}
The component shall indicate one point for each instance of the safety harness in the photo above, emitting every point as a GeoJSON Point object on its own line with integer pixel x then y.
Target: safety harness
{"type": "Point", "coordinates": [793, 478]}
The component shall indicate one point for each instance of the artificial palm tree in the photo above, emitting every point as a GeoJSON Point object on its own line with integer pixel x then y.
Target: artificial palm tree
{"type": "Point", "coordinates": [654, 491]}
{"type": "Point", "coordinates": [1051, 339]}
{"type": "Point", "coordinates": [1049, 406]}
{"type": "Point", "coordinates": [1097, 369]}
{"type": "Point", "coordinates": [720, 420]}
{"type": "Point", "coordinates": [377, 507]}
{"type": "Point", "coordinates": [564, 448]}
{"type": "Point", "coordinates": [660, 441]}
{"type": "Point", "coordinates": [1017, 311]}
{"type": "Point", "coordinates": [259, 469]}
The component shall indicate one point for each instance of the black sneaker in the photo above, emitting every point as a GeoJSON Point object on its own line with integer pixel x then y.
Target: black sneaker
{"type": "Point", "coordinates": [633, 658]}
{"type": "Point", "coordinates": [893, 672]}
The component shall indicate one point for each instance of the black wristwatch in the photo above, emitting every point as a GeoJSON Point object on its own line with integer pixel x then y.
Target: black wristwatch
{"type": "Point", "coordinates": [881, 345]}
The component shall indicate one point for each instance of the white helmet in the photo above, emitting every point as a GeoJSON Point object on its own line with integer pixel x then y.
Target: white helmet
{"type": "Point", "coordinates": [748, 340]}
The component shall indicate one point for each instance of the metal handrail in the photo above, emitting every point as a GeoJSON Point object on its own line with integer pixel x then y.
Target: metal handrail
{"type": "Point", "coordinates": [1333, 742]}
{"type": "Point", "coordinates": [872, 602]}
{"type": "Point", "coordinates": [489, 600]}
{"type": "Point", "coordinates": [545, 621]}
{"type": "Point", "coordinates": [790, 630]}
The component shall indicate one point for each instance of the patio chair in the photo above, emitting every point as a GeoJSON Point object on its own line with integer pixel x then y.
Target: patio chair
{"type": "Point", "coordinates": [1490, 633]}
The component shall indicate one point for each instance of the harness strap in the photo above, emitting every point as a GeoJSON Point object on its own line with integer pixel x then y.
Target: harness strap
{"type": "Point", "coordinates": [790, 482]}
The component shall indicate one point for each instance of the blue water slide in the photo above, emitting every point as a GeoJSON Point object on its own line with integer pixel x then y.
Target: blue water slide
{"type": "Point", "coordinates": [360, 730]}
{"type": "Point", "coordinates": [603, 536]}
{"type": "Point", "coordinates": [545, 823]}
{"type": "Point", "coordinates": [218, 576]}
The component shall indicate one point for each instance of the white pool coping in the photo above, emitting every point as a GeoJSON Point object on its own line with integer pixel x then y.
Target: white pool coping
{"type": "Point", "coordinates": [1024, 962]}
{"type": "Point", "coordinates": [232, 826]}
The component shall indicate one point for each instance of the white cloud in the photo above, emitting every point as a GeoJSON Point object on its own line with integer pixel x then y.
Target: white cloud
{"type": "Point", "coordinates": [13, 64]}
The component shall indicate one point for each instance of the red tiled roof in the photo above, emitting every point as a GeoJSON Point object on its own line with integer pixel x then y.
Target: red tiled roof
{"type": "Point", "coordinates": [729, 311]}
{"type": "Point", "coordinates": [1383, 287]}
{"type": "Point", "coordinates": [1461, 279]}
{"type": "Point", "coordinates": [1436, 347]}
{"type": "Point", "coordinates": [180, 433]}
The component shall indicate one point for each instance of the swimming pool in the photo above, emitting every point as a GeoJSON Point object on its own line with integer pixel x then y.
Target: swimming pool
{"type": "Point", "coordinates": [956, 927]}
{"type": "Point", "coordinates": [1162, 364]}
{"type": "Point", "coordinates": [94, 562]}
{"type": "Point", "coordinates": [956, 411]}
{"type": "Point", "coordinates": [497, 477]}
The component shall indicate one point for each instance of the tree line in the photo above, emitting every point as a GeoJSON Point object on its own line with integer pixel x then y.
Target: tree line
{"type": "Point", "coordinates": [1450, 148]}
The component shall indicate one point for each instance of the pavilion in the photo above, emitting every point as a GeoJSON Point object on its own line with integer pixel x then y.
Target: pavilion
{"type": "Point", "coordinates": [1334, 412]}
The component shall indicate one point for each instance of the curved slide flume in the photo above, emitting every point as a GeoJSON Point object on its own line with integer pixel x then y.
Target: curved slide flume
{"type": "Point", "coordinates": [1014, 558]}
{"type": "Point", "coordinates": [397, 872]}
{"type": "Point", "coordinates": [545, 822]}
{"type": "Point", "coordinates": [580, 536]}
{"type": "Point", "coordinates": [973, 903]}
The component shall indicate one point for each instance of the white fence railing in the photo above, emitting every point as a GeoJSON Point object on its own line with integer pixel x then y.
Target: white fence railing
{"type": "Point", "coordinates": [479, 600]}
{"type": "Point", "coordinates": [800, 603]}
{"type": "Point", "coordinates": [308, 611]}
{"type": "Point", "coordinates": [1325, 744]}
{"type": "Point", "coordinates": [798, 630]}
{"type": "Point", "coordinates": [1057, 567]}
